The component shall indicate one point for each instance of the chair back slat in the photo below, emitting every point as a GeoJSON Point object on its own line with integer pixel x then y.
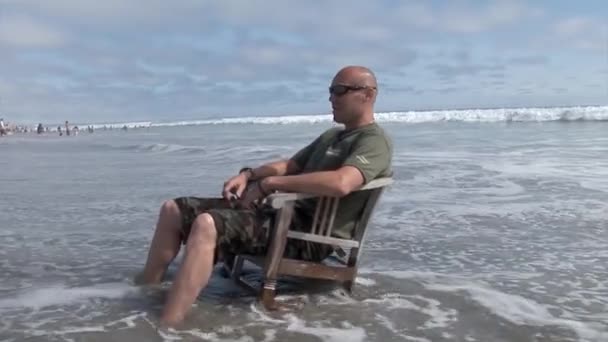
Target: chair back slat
{"type": "Point", "coordinates": [334, 209]}
{"type": "Point", "coordinates": [327, 208]}
{"type": "Point", "coordinates": [324, 216]}
{"type": "Point", "coordinates": [313, 228]}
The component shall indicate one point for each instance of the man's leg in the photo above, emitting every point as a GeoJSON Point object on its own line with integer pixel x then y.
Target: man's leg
{"type": "Point", "coordinates": [194, 272]}
{"type": "Point", "coordinates": [165, 244]}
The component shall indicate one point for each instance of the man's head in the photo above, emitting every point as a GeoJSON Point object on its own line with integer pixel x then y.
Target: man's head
{"type": "Point", "coordinates": [352, 95]}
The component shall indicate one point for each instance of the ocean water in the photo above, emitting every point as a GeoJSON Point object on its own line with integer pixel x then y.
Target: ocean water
{"type": "Point", "coordinates": [496, 229]}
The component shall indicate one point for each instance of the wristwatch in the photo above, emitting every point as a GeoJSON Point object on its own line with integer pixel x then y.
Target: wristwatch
{"type": "Point", "coordinates": [247, 169]}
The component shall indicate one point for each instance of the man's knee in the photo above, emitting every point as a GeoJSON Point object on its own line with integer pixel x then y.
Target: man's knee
{"type": "Point", "coordinates": [203, 230]}
{"type": "Point", "coordinates": [169, 207]}
{"type": "Point", "coordinates": [170, 212]}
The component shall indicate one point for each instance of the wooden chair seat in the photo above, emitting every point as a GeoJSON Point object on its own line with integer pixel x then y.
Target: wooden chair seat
{"type": "Point", "coordinates": [274, 264]}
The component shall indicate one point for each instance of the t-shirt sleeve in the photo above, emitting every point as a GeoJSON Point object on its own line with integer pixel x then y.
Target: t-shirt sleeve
{"type": "Point", "coordinates": [370, 154]}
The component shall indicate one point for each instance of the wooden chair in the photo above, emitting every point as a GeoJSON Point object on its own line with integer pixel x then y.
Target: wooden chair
{"type": "Point", "coordinates": [275, 264]}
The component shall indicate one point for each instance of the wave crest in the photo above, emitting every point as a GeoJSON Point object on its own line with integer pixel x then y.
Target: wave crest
{"type": "Point", "coordinates": [598, 113]}
{"type": "Point", "coordinates": [581, 113]}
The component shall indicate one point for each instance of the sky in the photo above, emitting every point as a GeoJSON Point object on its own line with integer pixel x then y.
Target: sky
{"type": "Point", "coordinates": [116, 60]}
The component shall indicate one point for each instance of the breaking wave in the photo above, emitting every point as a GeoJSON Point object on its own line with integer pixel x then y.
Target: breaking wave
{"type": "Point", "coordinates": [581, 113]}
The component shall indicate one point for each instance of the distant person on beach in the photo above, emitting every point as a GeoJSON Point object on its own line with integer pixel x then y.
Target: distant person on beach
{"type": "Point", "coordinates": [2, 127]}
{"type": "Point", "coordinates": [59, 130]}
{"type": "Point", "coordinates": [337, 162]}
{"type": "Point", "coordinates": [67, 128]}
{"type": "Point", "coordinates": [40, 129]}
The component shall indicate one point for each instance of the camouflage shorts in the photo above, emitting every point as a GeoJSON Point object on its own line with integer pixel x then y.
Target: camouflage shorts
{"type": "Point", "coordinates": [247, 231]}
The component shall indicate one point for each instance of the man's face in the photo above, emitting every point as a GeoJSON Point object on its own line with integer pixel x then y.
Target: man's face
{"type": "Point", "coordinates": [347, 99]}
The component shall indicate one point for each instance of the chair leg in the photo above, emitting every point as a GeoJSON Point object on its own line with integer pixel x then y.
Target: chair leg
{"type": "Point", "coordinates": [237, 267]}
{"type": "Point", "coordinates": [348, 286]}
{"type": "Point", "coordinates": [235, 274]}
{"type": "Point", "coordinates": [268, 293]}
{"type": "Point", "coordinates": [228, 263]}
{"type": "Point", "coordinates": [274, 256]}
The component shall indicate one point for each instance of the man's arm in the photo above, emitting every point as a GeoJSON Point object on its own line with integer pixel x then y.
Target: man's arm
{"type": "Point", "coordinates": [278, 168]}
{"type": "Point", "coordinates": [369, 157]}
{"type": "Point", "coordinates": [324, 183]}
{"type": "Point", "coordinates": [238, 184]}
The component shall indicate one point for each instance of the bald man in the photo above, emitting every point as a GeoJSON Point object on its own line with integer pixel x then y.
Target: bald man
{"type": "Point", "coordinates": [339, 161]}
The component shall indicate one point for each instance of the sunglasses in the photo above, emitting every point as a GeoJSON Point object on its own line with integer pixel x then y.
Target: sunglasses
{"type": "Point", "coordinates": [341, 89]}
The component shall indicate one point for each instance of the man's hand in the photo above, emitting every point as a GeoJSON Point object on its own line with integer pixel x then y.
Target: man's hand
{"type": "Point", "coordinates": [235, 186]}
{"type": "Point", "coordinates": [254, 194]}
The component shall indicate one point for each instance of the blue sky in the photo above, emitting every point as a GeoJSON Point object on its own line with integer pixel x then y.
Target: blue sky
{"type": "Point", "coordinates": [116, 60]}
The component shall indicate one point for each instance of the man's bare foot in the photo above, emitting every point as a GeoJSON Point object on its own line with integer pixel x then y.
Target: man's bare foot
{"type": "Point", "coordinates": [165, 332]}
{"type": "Point", "coordinates": [139, 279]}
{"type": "Point", "coordinates": [172, 323]}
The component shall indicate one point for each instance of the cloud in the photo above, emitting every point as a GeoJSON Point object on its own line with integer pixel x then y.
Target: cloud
{"type": "Point", "coordinates": [574, 26]}
{"type": "Point", "coordinates": [24, 31]}
{"type": "Point", "coordinates": [160, 69]}
{"type": "Point", "coordinates": [528, 60]}
{"type": "Point", "coordinates": [102, 13]}
{"type": "Point", "coordinates": [448, 90]}
{"type": "Point", "coordinates": [57, 83]}
{"type": "Point", "coordinates": [463, 17]}
{"type": "Point", "coordinates": [559, 90]}
{"type": "Point", "coordinates": [404, 89]}
{"type": "Point", "coordinates": [583, 32]}
{"type": "Point", "coordinates": [448, 72]}
{"type": "Point", "coordinates": [496, 75]}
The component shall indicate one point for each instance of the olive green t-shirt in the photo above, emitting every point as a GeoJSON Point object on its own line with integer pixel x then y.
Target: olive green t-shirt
{"type": "Point", "coordinates": [367, 148]}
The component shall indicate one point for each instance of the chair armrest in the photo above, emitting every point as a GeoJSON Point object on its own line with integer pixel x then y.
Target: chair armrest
{"type": "Point", "coordinates": [377, 183]}
{"type": "Point", "coordinates": [278, 200]}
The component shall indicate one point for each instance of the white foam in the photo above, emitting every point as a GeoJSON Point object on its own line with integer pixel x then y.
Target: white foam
{"type": "Point", "coordinates": [257, 315]}
{"type": "Point", "coordinates": [73, 330]}
{"type": "Point", "coordinates": [269, 335]}
{"type": "Point", "coordinates": [136, 124]}
{"type": "Point", "coordinates": [407, 274]}
{"type": "Point", "coordinates": [386, 323]}
{"type": "Point", "coordinates": [170, 148]}
{"type": "Point", "coordinates": [129, 321]}
{"type": "Point", "coordinates": [393, 301]}
{"type": "Point", "coordinates": [202, 335]}
{"type": "Point", "coordinates": [328, 334]}
{"type": "Point", "coordinates": [391, 326]}
{"type": "Point", "coordinates": [169, 335]}
{"type": "Point", "coordinates": [438, 318]}
{"type": "Point", "coordinates": [365, 281]}
{"type": "Point", "coordinates": [415, 339]}
{"type": "Point", "coordinates": [62, 295]}
{"type": "Point", "coordinates": [580, 113]}
{"type": "Point", "coordinates": [520, 310]}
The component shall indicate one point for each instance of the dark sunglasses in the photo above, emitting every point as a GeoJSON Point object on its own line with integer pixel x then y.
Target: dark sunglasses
{"type": "Point", "coordinates": [341, 89]}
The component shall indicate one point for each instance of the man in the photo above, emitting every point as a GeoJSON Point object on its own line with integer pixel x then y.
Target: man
{"type": "Point", "coordinates": [338, 162]}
